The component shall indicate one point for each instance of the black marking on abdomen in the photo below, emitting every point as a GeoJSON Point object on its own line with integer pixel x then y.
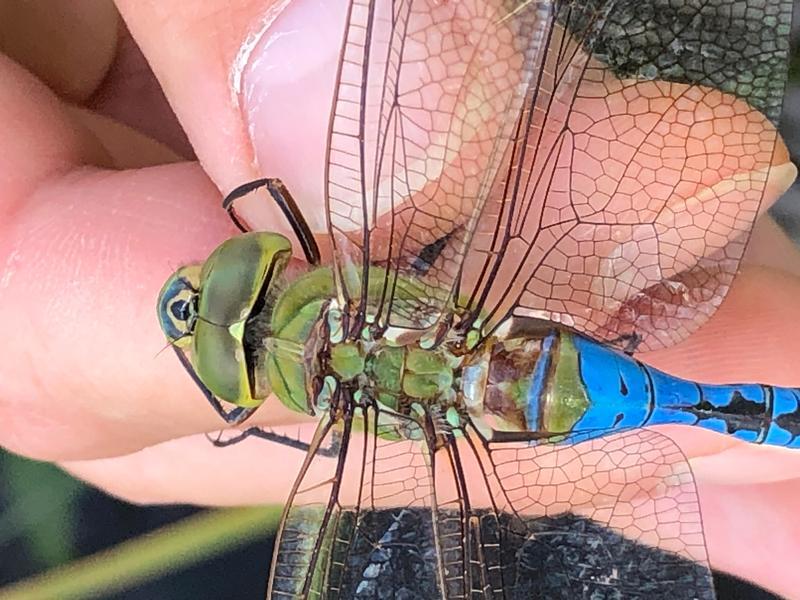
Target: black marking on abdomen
{"type": "Point", "coordinates": [791, 421]}
{"type": "Point", "coordinates": [649, 390]}
{"type": "Point", "coordinates": [623, 388]}
{"type": "Point", "coordinates": [740, 414]}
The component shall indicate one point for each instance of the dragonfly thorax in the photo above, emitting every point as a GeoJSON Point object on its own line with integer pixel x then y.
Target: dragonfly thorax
{"type": "Point", "coordinates": [395, 372]}
{"type": "Point", "coordinates": [395, 376]}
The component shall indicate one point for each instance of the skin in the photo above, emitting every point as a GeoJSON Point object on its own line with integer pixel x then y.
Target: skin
{"type": "Point", "coordinates": [102, 198]}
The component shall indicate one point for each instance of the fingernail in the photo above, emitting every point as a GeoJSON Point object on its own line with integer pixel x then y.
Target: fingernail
{"type": "Point", "coordinates": [285, 94]}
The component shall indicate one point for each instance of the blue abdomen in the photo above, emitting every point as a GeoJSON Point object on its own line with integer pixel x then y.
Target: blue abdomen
{"type": "Point", "coordinates": [623, 392]}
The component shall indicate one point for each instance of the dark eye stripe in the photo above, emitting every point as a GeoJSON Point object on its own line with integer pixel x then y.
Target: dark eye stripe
{"type": "Point", "coordinates": [180, 310]}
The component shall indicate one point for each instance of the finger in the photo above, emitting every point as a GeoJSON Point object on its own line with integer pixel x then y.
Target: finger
{"type": "Point", "coordinates": [84, 257]}
{"type": "Point", "coordinates": [40, 139]}
{"type": "Point", "coordinates": [123, 147]}
{"type": "Point", "coordinates": [78, 283]}
{"type": "Point", "coordinates": [752, 532]}
{"type": "Point", "coordinates": [45, 262]}
{"type": "Point", "coordinates": [131, 94]}
{"type": "Point", "coordinates": [44, 137]}
{"type": "Point", "coordinates": [200, 60]}
{"type": "Point", "coordinates": [68, 44]}
{"type": "Point", "coordinates": [770, 247]}
{"type": "Point", "coordinates": [716, 460]}
{"type": "Point", "coordinates": [84, 254]}
{"type": "Point", "coordinates": [185, 470]}
{"type": "Point", "coordinates": [753, 336]}
{"type": "Point", "coordinates": [56, 242]}
{"type": "Point", "coordinates": [80, 51]}
{"type": "Point", "coordinates": [192, 52]}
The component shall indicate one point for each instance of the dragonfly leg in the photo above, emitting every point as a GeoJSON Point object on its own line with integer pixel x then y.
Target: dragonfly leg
{"type": "Point", "coordinates": [288, 206]}
{"type": "Point", "coordinates": [265, 434]}
{"type": "Point", "coordinates": [235, 416]}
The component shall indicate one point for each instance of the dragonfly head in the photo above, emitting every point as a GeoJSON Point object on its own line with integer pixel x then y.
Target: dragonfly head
{"type": "Point", "coordinates": [216, 311]}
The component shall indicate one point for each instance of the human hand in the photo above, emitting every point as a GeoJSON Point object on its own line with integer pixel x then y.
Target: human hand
{"type": "Point", "coordinates": [97, 215]}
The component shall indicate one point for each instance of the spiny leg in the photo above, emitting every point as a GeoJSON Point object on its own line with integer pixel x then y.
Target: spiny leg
{"type": "Point", "coordinates": [288, 206]}
{"type": "Point", "coordinates": [235, 416]}
{"type": "Point", "coordinates": [285, 440]}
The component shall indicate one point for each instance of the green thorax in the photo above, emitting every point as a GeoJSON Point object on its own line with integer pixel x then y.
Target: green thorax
{"type": "Point", "coordinates": [392, 372]}
{"type": "Point", "coordinates": [295, 314]}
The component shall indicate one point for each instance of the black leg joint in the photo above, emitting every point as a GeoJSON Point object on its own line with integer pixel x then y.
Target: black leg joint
{"type": "Point", "coordinates": [288, 206]}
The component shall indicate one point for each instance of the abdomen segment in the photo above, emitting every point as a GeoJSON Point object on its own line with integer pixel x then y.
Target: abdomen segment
{"type": "Point", "coordinates": [620, 386]}
{"type": "Point", "coordinates": [572, 387]}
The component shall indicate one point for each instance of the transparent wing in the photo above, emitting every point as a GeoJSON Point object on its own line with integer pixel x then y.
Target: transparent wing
{"type": "Point", "coordinates": [345, 531]}
{"type": "Point", "coordinates": [612, 517]}
{"type": "Point", "coordinates": [616, 517]}
{"type": "Point", "coordinates": [438, 516]}
{"type": "Point", "coordinates": [625, 204]}
{"type": "Point", "coordinates": [301, 552]}
{"type": "Point", "coordinates": [427, 97]}
{"type": "Point", "coordinates": [598, 163]}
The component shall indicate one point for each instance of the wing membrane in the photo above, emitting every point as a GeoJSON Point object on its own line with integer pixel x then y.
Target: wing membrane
{"type": "Point", "coordinates": [345, 529]}
{"type": "Point", "coordinates": [569, 521]}
{"type": "Point", "coordinates": [427, 100]}
{"type": "Point", "coordinates": [302, 552]}
{"type": "Point", "coordinates": [444, 516]}
{"type": "Point", "coordinates": [626, 212]}
{"type": "Point", "coordinates": [599, 163]}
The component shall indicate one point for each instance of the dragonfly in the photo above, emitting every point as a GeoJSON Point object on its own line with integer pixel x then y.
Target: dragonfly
{"type": "Point", "coordinates": [519, 195]}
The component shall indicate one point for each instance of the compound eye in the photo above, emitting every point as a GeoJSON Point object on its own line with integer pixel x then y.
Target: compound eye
{"type": "Point", "coordinates": [177, 305]}
{"type": "Point", "coordinates": [180, 310]}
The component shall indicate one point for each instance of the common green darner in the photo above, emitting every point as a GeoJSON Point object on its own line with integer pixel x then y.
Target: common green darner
{"type": "Point", "coordinates": [512, 189]}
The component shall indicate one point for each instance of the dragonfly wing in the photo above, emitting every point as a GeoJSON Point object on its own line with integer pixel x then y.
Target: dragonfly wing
{"type": "Point", "coordinates": [360, 523]}
{"type": "Point", "coordinates": [300, 558]}
{"type": "Point", "coordinates": [614, 517]}
{"type": "Point", "coordinates": [405, 508]}
{"type": "Point", "coordinates": [626, 201]}
{"type": "Point", "coordinates": [426, 102]}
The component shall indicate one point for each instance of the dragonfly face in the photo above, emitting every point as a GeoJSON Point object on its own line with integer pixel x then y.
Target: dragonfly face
{"type": "Point", "coordinates": [211, 309]}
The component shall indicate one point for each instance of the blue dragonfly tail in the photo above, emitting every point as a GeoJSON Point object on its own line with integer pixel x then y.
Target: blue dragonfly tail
{"type": "Point", "coordinates": [622, 392]}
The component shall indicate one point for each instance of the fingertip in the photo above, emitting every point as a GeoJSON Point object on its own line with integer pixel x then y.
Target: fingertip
{"type": "Point", "coordinates": [86, 260]}
{"type": "Point", "coordinates": [192, 470]}
{"type": "Point", "coordinates": [39, 136]}
{"type": "Point", "coordinates": [751, 532]}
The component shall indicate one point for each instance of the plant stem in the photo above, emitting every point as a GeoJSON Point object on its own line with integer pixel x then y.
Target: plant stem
{"type": "Point", "coordinates": [170, 548]}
